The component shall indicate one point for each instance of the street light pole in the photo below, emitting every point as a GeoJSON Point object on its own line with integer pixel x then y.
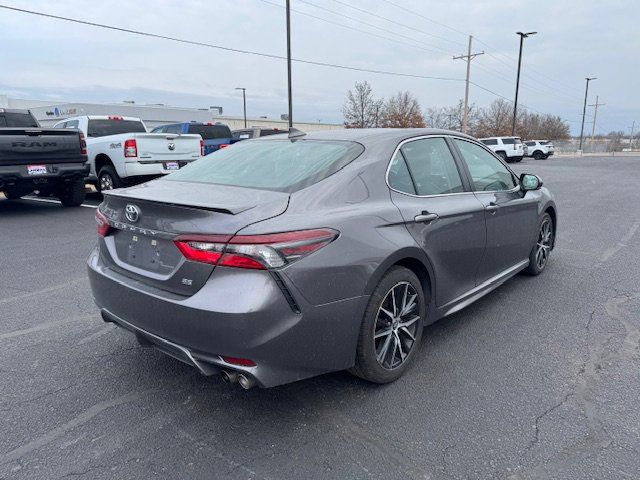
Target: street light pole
{"type": "Point", "coordinates": [244, 103]}
{"type": "Point", "coordinates": [289, 64]}
{"type": "Point", "coordinates": [584, 109]}
{"type": "Point", "coordinates": [515, 103]}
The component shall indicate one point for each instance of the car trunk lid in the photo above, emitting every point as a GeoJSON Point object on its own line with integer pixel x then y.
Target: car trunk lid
{"type": "Point", "coordinates": [146, 219]}
{"type": "Point", "coordinates": [167, 147]}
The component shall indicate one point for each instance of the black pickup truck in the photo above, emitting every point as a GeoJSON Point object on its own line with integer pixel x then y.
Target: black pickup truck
{"type": "Point", "coordinates": [47, 160]}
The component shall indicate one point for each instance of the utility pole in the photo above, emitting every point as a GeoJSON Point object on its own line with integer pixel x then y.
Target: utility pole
{"type": "Point", "coordinates": [595, 114]}
{"type": "Point", "coordinates": [632, 127]}
{"type": "Point", "coordinates": [515, 103]}
{"type": "Point", "coordinates": [468, 57]}
{"type": "Point", "coordinates": [584, 109]}
{"type": "Point", "coordinates": [289, 64]}
{"type": "Point", "coordinates": [244, 103]}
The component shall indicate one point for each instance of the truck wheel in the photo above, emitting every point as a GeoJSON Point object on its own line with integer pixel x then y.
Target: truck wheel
{"type": "Point", "coordinates": [538, 155]}
{"type": "Point", "coordinates": [108, 179]}
{"type": "Point", "coordinates": [72, 194]}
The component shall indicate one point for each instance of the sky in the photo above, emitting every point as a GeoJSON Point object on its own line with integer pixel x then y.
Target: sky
{"type": "Point", "coordinates": [43, 58]}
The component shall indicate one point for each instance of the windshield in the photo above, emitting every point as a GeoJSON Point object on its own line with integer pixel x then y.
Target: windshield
{"type": "Point", "coordinates": [104, 127]}
{"type": "Point", "coordinates": [279, 165]}
{"type": "Point", "coordinates": [211, 132]}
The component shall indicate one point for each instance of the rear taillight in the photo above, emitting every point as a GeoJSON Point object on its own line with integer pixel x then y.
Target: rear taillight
{"type": "Point", "coordinates": [103, 224]}
{"type": "Point", "coordinates": [83, 144]}
{"type": "Point", "coordinates": [130, 148]}
{"type": "Point", "coordinates": [258, 252]}
{"type": "Point", "coordinates": [201, 148]}
{"type": "Point", "coordinates": [224, 145]}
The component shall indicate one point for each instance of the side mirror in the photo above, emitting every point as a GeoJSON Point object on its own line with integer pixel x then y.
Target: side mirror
{"type": "Point", "coordinates": [530, 182]}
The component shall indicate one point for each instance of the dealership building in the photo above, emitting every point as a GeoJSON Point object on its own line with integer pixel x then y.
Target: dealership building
{"type": "Point", "coordinates": [48, 113]}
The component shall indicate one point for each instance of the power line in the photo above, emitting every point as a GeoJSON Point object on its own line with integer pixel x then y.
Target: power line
{"type": "Point", "coordinates": [424, 17]}
{"type": "Point", "coordinates": [228, 49]}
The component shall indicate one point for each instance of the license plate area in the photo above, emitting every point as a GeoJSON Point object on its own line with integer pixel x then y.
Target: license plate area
{"type": "Point", "coordinates": [148, 253]}
{"type": "Point", "coordinates": [35, 170]}
{"type": "Point", "coordinates": [171, 166]}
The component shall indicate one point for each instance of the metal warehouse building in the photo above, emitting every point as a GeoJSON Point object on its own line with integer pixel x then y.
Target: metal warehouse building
{"type": "Point", "coordinates": [49, 113]}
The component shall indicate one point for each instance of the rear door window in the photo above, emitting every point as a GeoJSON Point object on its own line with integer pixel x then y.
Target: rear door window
{"type": "Point", "coordinates": [399, 177]}
{"type": "Point", "coordinates": [490, 141]}
{"type": "Point", "coordinates": [508, 141]}
{"type": "Point", "coordinates": [432, 167]}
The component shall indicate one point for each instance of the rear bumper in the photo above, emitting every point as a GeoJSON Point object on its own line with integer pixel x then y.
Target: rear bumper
{"type": "Point", "coordinates": [238, 314]}
{"type": "Point", "coordinates": [18, 175]}
{"type": "Point", "coordinates": [142, 168]}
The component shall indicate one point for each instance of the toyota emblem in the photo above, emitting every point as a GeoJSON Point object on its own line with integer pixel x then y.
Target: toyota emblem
{"type": "Point", "coordinates": [132, 213]}
{"type": "Point", "coordinates": [171, 146]}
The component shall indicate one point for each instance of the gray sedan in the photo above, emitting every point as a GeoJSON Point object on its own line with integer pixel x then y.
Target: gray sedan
{"type": "Point", "coordinates": [290, 256]}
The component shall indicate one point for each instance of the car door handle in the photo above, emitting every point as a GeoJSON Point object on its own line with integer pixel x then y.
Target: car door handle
{"type": "Point", "coordinates": [425, 217]}
{"type": "Point", "coordinates": [492, 208]}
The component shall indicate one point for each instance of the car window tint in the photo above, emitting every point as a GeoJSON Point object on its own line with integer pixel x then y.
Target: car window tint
{"type": "Point", "coordinates": [508, 141]}
{"type": "Point", "coordinates": [72, 124]}
{"type": "Point", "coordinates": [399, 178]}
{"type": "Point", "coordinates": [432, 166]}
{"type": "Point", "coordinates": [490, 141]}
{"type": "Point", "coordinates": [113, 126]}
{"type": "Point", "coordinates": [176, 129]}
{"type": "Point", "coordinates": [487, 172]}
{"type": "Point", "coordinates": [530, 144]}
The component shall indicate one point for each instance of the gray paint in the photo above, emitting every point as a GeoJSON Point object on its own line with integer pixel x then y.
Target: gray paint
{"type": "Point", "coordinates": [244, 313]}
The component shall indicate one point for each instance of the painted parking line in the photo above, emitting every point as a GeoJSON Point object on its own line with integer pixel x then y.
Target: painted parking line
{"type": "Point", "coordinates": [48, 200]}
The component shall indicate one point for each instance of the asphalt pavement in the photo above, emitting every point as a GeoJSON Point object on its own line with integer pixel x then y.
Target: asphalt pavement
{"type": "Point", "coordinates": [539, 379]}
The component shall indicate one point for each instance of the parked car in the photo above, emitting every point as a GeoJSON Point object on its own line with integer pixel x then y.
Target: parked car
{"type": "Point", "coordinates": [255, 132]}
{"type": "Point", "coordinates": [52, 162]}
{"type": "Point", "coordinates": [121, 152]}
{"type": "Point", "coordinates": [539, 149]}
{"type": "Point", "coordinates": [215, 135]}
{"type": "Point", "coordinates": [280, 259]}
{"type": "Point", "coordinates": [510, 149]}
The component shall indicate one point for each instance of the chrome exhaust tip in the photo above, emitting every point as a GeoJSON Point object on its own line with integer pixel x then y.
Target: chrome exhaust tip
{"type": "Point", "coordinates": [246, 382]}
{"type": "Point", "coordinates": [229, 377]}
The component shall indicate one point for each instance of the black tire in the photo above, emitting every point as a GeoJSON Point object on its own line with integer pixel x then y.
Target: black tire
{"type": "Point", "coordinates": [536, 267]}
{"type": "Point", "coordinates": [504, 157]}
{"type": "Point", "coordinates": [517, 159]}
{"type": "Point", "coordinates": [538, 155]}
{"type": "Point", "coordinates": [367, 365]}
{"type": "Point", "coordinates": [72, 194]}
{"type": "Point", "coordinates": [13, 195]}
{"type": "Point", "coordinates": [108, 179]}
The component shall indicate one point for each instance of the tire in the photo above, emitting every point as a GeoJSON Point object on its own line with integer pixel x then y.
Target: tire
{"type": "Point", "coordinates": [504, 157]}
{"type": "Point", "coordinates": [13, 195]}
{"type": "Point", "coordinates": [536, 267]}
{"type": "Point", "coordinates": [392, 364]}
{"type": "Point", "coordinates": [108, 179]}
{"type": "Point", "coordinates": [538, 155]}
{"type": "Point", "coordinates": [72, 194]}
{"type": "Point", "coordinates": [517, 159]}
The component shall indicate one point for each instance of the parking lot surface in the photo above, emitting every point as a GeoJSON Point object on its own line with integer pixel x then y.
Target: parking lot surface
{"type": "Point", "coordinates": [539, 379]}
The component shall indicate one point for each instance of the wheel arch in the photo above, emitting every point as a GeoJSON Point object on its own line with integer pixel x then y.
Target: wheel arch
{"type": "Point", "coordinates": [415, 260]}
{"type": "Point", "coordinates": [551, 210]}
{"type": "Point", "coordinates": [101, 160]}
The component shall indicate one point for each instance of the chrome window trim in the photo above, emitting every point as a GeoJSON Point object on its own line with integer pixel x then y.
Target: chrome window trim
{"type": "Point", "coordinates": [497, 157]}
{"type": "Point", "coordinates": [422, 137]}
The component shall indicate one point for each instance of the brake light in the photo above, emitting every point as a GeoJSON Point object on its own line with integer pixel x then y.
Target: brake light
{"type": "Point", "coordinates": [130, 148]}
{"type": "Point", "coordinates": [224, 145]}
{"type": "Point", "coordinates": [83, 144]}
{"type": "Point", "coordinates": [259, 252]}
{"type": "Point", "coordinates": [114, 117]}
{"type": "Point", "coordinates": [103, 224]}
{"type": "Point", "coordinates": [243, 362]}
{"type": "Point", "coordinates": [201, 148]}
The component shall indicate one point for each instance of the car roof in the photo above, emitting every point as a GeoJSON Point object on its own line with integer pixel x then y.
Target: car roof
{"type": "Point", "coordinates": [366, 135]}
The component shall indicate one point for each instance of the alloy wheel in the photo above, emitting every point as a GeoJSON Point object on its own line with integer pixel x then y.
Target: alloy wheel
{"type": "Point", "coordinates": [106, 182]}
{"type": "Point", "coordinates": [545, 240]}
{"type": "Point", "coordinates": [396, 325]}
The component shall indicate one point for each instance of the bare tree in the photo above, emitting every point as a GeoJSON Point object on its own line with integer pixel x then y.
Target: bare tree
{"type": "Point", "coordinates": [402, 111]}
{"type": "Point", "coordinates": [361, 109]}
{"type": "Point", "coordinates": [495, 120]}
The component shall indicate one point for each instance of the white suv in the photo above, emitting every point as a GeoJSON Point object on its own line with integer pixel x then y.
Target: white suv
{"type": "Point", "coordinates": [510, 149]}
{"type": "Point", "coordinates": [539, 149]}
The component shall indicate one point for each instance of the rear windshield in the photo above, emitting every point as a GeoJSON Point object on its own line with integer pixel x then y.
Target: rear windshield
{"type": "Point", "coordinates": [17, 120]}
{"type": "Point", "coordinates": [210, 132]}
{"type": "Point", "coordinates": [102, 128]}
{"type": "Point", "coordinates": [242, 134]}
{"type": "Point", "coordinates": [278, 165]}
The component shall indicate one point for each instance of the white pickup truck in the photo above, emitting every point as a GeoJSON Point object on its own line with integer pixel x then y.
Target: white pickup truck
{"type": "Point", "coordinates": [121, 152]}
